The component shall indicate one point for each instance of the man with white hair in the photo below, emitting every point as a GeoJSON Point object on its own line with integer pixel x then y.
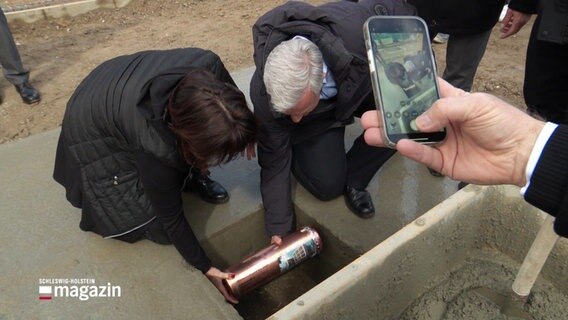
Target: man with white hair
{"type": "Point", "coordinates": [311, 80]}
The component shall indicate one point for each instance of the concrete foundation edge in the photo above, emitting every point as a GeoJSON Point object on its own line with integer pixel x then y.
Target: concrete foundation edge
{"type": "Point", "coordinates": [375, 283]}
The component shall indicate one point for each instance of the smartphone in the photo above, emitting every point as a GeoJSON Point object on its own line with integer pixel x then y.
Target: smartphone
{"type": "Point", "coordinates": [403, 75]}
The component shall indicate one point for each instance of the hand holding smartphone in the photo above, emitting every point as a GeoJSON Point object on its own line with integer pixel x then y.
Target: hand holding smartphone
{"type": "Point", "coordinates": [403, 74]}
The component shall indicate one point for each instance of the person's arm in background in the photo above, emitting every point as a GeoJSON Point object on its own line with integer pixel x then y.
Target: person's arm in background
{"type": "Point", "coordinates": [163, 186]}
{"type": "Point", "coordinates": [491, 142]}
{"type": "Point", "coordinates": [518, 14]}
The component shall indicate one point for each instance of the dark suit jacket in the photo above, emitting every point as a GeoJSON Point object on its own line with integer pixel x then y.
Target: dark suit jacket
{"type": "Point", "coordinates": [548, 189]}
{"type": "Point", "coordinates": [337, 29]}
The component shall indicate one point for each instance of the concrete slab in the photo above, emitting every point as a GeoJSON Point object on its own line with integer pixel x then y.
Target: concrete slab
{"type": "Point", "coordinates": [40, 238]}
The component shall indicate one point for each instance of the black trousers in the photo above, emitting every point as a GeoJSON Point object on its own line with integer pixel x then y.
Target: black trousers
{"type": "Point", "coordinates": [546, 78]}
{"type": "Point", "coordinates": [10, 59]}
{"type": "Point", "coordinates": [463, 55]}
{"type": "Point", "coordinates": [321, 165]}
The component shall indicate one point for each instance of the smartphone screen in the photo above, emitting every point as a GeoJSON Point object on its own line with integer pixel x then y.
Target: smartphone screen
{"type": "Point", "coordinates": [405, 75]}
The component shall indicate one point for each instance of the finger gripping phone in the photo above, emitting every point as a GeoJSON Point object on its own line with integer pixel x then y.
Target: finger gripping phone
{"type": "Point", "coordinates": [403, 75]}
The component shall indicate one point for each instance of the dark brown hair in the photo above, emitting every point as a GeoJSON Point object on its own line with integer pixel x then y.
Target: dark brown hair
{"type": "Point", "coordinates": [210, 119]}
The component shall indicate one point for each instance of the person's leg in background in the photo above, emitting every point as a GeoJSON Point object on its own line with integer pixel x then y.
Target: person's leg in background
{"type": "Point", "coordinates": [463, 55]}
{"type": "Point", "coordinates": [12, 66]}
{"type": "Point", "coordinates": [546, 78]}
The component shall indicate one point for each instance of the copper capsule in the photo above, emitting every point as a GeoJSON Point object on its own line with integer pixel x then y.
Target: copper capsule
{"type": "Point", "coordinates": [273, 261]}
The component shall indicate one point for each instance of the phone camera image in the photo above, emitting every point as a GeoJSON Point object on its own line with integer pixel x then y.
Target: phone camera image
{"type": "Point", "coordinates": [403, 75]}
{"type": "Point", "coordinates": [406, 76]}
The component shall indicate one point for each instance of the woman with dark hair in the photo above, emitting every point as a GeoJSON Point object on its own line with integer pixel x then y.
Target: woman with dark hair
{"type": "Point", "coordinates": [138, 131]}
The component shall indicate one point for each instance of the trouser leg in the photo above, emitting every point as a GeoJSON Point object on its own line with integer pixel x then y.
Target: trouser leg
{"type": "Point", "coordinates": [320, 165]}
{"type": "Point", "coordinates": [363, 161]}
{"type": "Point", "coordinates": [546, 78]}
{"type": "Point", "coordinates": [463, 54]}
{"type": "Point", "coordinates": [9, 56]}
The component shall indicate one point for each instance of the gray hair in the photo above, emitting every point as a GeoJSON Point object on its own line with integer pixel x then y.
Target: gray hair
{"type": "Point", "coordinates": [291, 68]}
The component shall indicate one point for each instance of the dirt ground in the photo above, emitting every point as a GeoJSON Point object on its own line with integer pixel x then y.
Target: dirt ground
{"type": "Point", "coordinates": [61, 52]}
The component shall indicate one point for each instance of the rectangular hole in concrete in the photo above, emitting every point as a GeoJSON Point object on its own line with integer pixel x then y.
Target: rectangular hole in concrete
{"type": "Point", "coordinates": [247, 236]}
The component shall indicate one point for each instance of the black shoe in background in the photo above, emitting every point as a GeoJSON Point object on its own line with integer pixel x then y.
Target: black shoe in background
{"type": "Point", "coordinates": [28, 93]}
{"type": "Point", "coordinates": [462, 185]}
{"type": "Point", "coordinates": [209, 190]}
{"type": "Point", "coordinates": [359, 202]}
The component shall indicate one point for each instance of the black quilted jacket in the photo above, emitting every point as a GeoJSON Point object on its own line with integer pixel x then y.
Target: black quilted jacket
{"type": "Point", "coordinates": [117, 158]}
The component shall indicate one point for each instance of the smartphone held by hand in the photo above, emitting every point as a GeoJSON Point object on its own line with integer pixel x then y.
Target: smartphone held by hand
{"type": "Point", "coordinates": [403, 75]}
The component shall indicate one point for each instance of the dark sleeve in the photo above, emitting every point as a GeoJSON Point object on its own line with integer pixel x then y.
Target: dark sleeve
{"type": "Point", "coordinates": [221, 72]}
{"type": "Point", "coordinates": [524, 6]}
{"type": "Point", "coordinates": [548, 189]}
{"type": "Point", "coordinates": [275, 159]}
{"type": "Point", "coordinates": [162, 185]}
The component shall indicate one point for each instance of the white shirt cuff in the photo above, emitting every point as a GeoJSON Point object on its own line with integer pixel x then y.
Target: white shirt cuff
{"type": "Point", "coordinates": [541, 141]}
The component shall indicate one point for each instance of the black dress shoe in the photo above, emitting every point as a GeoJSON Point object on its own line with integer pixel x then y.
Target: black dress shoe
{"type": "Point", "coordinates": [359, 202]}
{"type": "Point", "coordinates": [28, 93]}
{"type": "Point", "coordinates": [209, 190]}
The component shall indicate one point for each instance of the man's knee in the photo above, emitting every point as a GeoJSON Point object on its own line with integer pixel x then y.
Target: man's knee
{"type": "Point", "coordinates": [326, 190]}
